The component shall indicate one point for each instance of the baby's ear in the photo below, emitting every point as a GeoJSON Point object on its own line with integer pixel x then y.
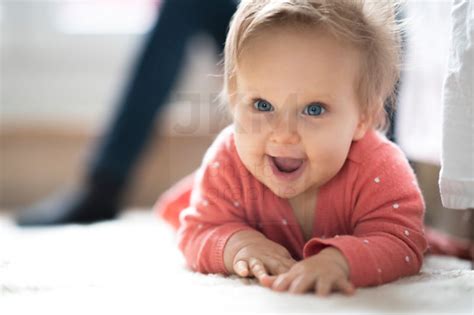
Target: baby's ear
{"type": "Point", "coordinates": [362, 127]}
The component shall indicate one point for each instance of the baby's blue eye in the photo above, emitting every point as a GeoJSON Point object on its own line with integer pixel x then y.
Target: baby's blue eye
{"type": "Point", "coordinates": [315, 109]}
{"type": "Point", "coordinates": [263, 106]}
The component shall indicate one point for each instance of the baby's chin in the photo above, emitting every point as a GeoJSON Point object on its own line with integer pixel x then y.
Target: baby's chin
{"type": "Point", "coordinates": [286, 193]}
{"type": "Point", "coordinates": [281, 190]}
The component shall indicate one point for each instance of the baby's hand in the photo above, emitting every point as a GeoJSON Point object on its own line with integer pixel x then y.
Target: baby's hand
{"type": "Point", "coordinates": [320, 273]}
{"type": "Point", "coordinates": [250, 253]}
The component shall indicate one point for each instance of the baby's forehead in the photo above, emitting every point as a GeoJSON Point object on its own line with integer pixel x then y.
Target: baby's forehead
{"type": "Point", "coordinates": [286, 49]}
{"type": "Point", "coordinates": [296, 35]}
{"type": "Point", "coordinates": [297, 63]}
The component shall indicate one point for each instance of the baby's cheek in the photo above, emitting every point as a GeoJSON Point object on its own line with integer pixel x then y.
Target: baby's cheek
{"type": "Point", "coordinates": [334, 161]}
{"type": "Point", "coordinates": [249, 150]}
{"type": "Point", "coordinates": [257, 125]}
{"type": "Point", "coordinates": [251, 134]}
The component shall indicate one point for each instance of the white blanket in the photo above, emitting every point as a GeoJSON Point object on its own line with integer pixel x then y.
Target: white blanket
{"type": "Point", "coordinates": [132, 265]}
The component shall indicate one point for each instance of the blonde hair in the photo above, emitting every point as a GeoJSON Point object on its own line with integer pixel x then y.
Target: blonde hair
{"type": "Point", "coordinates": [368, 25]}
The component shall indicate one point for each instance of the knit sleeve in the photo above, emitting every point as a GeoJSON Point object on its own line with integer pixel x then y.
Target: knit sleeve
{"type": "Point", "coordinates": [214, 214]}
{"type": "Point", "coordinates": [387, 240]}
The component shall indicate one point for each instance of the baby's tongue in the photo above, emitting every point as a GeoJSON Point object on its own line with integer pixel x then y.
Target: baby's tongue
{"type": "Point", "coordinates": [287, 164]}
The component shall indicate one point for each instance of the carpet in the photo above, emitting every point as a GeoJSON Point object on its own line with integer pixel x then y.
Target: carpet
{"type": "Point", "coordinates": [132, 265]}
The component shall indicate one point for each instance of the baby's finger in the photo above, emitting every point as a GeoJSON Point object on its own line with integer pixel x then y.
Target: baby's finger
{"type": "Point", "coordinates": [323, 286]}
{"type": "Point", "coordinates": [241, 268]}
{"type": "Point", "coordinates": [257, 268]}
{"type": "Point", "coordinates": [276, 267]}
{"type": "Point", "coordinates": [345, 286]}
{"type": "Point", "coordinates": [282, 282]}
{"type": "Point", "coordinates": [268, 281]}
{"type": "Point", "coordinates": [301, 284]}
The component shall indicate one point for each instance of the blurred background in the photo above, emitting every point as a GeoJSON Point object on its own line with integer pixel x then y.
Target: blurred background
{"type": "Point", "coordinates": [64, 63]}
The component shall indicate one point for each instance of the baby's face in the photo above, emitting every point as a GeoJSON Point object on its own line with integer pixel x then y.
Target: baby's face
{"type": "Point", "coordinates": [296, 110]}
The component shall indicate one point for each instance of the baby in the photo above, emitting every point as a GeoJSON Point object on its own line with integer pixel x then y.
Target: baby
{"type": "Point", "coordinates": [303, 191]}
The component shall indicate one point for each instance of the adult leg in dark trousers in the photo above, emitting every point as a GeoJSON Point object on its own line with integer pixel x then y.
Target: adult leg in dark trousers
{"type": "Point", "coordinates": [100, 195]}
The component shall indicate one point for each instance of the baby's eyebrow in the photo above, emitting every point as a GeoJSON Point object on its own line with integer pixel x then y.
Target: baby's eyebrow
{"type": "Point", "coordinates": [322, 97]}
{"type": "Point", "coordinates": [248, 96]}
{"type": "Point", "coordinates": [326, 99]}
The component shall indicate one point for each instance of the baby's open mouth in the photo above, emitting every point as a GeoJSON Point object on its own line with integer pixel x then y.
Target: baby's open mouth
{"type": "Point", "coordinates": [287, 165]}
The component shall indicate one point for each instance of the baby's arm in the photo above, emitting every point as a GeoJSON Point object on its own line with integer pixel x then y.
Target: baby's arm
{"type": "Point", "coordinates": [220, 241]}
{"type": "Point", "coordinates": [215, 235]}
{"type": "Point", "coordinates": [387, 239]}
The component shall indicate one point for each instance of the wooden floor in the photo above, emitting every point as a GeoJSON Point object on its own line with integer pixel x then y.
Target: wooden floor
{"type": "Point", "coordinates": [37, 162]}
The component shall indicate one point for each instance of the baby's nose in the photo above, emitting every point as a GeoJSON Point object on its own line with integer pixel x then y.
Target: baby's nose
{"type": "Point", "coordinates": [285, 130]}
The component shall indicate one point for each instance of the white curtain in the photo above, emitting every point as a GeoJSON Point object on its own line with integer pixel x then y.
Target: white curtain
{"type": "Point", "coordinates": [435, 122]}
{"type": "Point", "coordinates": [420, 99]}
{"type": "Point", "coordinates": [457, 154]}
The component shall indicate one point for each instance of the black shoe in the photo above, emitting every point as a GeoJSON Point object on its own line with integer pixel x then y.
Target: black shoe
{"type": "Point", "coordinates": [70, 207]}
